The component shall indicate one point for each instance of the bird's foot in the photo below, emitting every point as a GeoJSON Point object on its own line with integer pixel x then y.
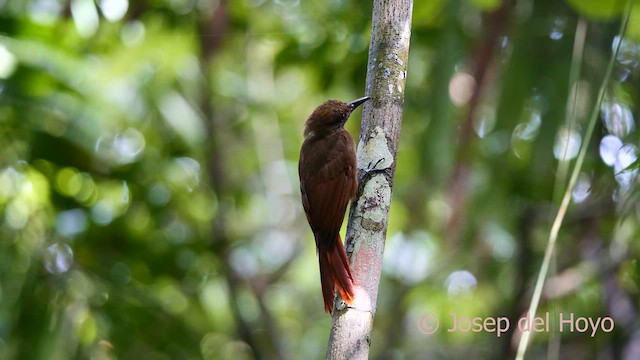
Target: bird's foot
{"type": "Point", "coordinates": [373, 168]}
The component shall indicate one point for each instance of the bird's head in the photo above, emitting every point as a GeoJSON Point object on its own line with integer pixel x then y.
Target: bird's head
{"type": "Point", "coordinates": [331, 115]}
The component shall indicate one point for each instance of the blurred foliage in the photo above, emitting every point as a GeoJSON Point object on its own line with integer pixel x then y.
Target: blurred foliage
{"type": "Point", "coordinates": [149, 205]}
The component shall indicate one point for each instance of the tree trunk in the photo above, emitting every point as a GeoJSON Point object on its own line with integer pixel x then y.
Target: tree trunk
{"type": "Point", "coordinates": [381, 119]}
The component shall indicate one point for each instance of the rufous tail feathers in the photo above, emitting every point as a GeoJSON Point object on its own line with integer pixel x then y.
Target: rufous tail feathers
{"type": "Point", "coordinates": [335, 274]}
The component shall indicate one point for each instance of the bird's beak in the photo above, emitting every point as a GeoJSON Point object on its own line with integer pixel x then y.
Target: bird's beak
{"type": "Point", "coordinates": [357, 102]}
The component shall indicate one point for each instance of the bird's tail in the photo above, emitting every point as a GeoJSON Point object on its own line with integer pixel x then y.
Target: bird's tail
{"type": "Point", "coordinates": [335, 273]}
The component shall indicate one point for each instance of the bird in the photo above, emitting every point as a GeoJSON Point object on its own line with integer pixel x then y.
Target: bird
{"type": "Point", "coordinates": [328, 182]}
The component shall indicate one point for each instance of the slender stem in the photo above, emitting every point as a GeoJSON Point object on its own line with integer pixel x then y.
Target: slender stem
{"type": "Point", "coordinates": [570, 112]}
{"type": "Point", "coordinates": [553, 350]}
{"type": "Point", "coordinates": [564, 205]}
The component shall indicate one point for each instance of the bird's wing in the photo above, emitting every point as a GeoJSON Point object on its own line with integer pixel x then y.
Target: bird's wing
{"type": "Point", "coordinates": [326, 192]}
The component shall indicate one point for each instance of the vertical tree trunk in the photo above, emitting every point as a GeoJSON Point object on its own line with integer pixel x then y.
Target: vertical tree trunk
{"type": "Point", "coordinates": [381, 119]}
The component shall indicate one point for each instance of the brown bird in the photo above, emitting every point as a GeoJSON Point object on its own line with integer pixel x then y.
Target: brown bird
{"type": "Point", "coordinates": [328, 181]}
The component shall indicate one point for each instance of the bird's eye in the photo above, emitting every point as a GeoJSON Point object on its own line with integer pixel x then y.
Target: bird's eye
{"type": "Point", "coordinates": [340, 117]}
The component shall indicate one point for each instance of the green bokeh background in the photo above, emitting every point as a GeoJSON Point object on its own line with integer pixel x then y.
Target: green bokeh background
{"type": "Point", "coordinates": [149, 202]}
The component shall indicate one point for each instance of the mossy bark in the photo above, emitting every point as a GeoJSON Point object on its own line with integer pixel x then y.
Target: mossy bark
{"type": "Point", "coordinates": [378, 145]}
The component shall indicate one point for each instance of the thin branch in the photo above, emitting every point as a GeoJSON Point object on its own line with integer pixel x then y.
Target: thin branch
{"type": "Point", "coordinates": [494, 24]}
{"type": "Point", "coordinates": [217, 23]}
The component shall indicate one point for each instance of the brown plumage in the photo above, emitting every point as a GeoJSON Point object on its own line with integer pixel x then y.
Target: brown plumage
{"type": "Point", "coordinates": [328, 181]}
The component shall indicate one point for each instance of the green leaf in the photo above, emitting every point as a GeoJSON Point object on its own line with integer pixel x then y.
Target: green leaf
{"type": "Point", "coordinates": [487, 5]}
{"type": "Point", "coordinates": [598, 9]}
{"type": "Point", "coordinates": [633, 166]}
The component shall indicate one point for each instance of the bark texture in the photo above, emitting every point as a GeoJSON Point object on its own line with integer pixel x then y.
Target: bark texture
{"type": "Point", "coordinates": [377, 148]}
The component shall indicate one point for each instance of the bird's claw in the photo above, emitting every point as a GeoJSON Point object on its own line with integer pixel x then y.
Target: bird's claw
{"type": "Point", "coordinates": [370, 168]}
